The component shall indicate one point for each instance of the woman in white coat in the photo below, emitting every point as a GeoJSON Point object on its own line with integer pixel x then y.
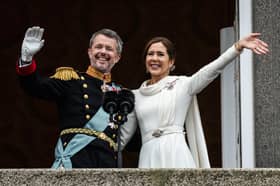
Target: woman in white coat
{"type": "Point", "coordinates": [166, 106]}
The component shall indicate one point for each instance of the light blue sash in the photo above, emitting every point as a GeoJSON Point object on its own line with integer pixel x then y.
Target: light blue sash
{"type": "Point", "coordinates": [62, 156]}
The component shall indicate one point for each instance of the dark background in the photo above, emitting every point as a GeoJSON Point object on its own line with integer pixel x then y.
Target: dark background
{"type": "Point", "coordinates": [29, 126]}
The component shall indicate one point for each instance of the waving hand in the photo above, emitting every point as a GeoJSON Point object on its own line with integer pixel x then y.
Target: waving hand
{"type": "Point", "coordinates": [32, 43]}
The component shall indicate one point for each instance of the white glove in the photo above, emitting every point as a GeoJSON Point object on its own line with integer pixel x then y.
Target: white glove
{"type": "Point", "coordinates": [32, 43]}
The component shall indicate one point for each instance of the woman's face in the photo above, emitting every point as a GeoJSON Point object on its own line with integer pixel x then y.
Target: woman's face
{"type": "Point", "coordinates": [158, 62]}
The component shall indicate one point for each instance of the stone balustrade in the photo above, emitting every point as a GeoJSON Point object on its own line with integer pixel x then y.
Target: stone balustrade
{"type": "Point", "coordinates": [137, 177]}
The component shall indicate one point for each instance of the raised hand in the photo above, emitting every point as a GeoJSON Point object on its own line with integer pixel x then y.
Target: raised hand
{"type": "Point", "coordinates": [32, 43]}
{"type": "Point", "coordinates": [253, 43]}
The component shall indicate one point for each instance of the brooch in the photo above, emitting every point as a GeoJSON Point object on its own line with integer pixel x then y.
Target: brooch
{"type": "Point", "coordinates": [157, 133]}
{"type": "Point", "coordinates": [170, 85]}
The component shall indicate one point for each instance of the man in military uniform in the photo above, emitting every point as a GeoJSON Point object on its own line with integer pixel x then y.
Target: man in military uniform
{"type": "Point", "coordinates": [87, 140]}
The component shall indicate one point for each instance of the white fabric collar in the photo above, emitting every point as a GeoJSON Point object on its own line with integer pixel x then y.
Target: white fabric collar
{"type": "Point", "coordinates": [148, 90]}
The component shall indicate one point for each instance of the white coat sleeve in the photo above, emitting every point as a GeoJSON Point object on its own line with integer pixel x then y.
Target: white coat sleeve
{"type": "Point", "coordinates": [209, 72]}
{"type": "Point", "coordinates": [128, 129]}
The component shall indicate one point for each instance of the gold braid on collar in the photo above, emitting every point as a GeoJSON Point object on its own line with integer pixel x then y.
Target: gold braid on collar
{"type": "Point", "coordinates": [99, 75]}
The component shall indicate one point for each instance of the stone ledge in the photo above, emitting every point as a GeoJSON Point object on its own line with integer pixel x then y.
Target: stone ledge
{"type": "Point", "coordinates": [137, 177]}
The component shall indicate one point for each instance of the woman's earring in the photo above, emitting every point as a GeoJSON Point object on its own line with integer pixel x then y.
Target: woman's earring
{"type": "Point", "coordinates": [172, 68]}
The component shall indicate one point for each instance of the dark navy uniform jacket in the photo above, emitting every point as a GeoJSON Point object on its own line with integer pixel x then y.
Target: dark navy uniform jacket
{"type": "Point", "coordinates": [77, 100]}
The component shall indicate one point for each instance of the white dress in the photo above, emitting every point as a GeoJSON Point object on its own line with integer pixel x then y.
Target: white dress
{"type": "Point", "coordinates": [163, 109]}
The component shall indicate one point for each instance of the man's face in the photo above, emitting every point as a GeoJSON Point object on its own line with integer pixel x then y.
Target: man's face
{"type": "Point", "coordinates": [103, 53]}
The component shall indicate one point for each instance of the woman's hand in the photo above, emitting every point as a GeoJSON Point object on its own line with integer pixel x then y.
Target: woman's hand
{"type": "Point", "coordinates": [253, 43]}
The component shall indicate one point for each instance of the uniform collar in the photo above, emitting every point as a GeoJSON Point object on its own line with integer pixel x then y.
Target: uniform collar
{"type": "Point", "coordinates": [99, 75]}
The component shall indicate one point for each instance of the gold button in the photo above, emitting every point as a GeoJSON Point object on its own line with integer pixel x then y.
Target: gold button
{"type": "Point", "coordinates": [87, 116]}
{"type": "Point", "coordinates": [114, 135]}
{"type": "Point", "coordinates": [85, 85]}
{"type": "Point", "coordinates": [85, 96]}
{"type": "Point", "coordinates": [86, 106]}
{"type": "Point", "coordinates": [82, 78]}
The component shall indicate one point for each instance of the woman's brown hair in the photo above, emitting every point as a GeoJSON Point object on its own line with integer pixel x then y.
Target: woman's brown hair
{"type": "Point", "coordinates": [170, 48]}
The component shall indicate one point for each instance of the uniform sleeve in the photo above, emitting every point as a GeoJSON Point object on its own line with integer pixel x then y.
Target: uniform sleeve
{"type": "Point", "coordinates": [128, 129]}
{"type": "Point", "coordinates": [208, 73]}
{"type": "Point", "coordinates": [38, 86]}
{"type": "Point", "coordinates": [25, 69]}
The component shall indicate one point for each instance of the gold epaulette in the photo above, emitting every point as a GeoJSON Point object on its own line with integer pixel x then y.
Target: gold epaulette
{"type": "Point", "coordinates": [65, 73]}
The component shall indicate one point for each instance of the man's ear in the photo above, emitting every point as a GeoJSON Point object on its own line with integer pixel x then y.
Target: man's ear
{"type": "Point", "coordinates": [117, 58]}
{"type": "Point", "coordinates": [89, 53]}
